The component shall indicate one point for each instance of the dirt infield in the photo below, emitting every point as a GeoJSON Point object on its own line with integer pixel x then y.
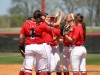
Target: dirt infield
{"type": "Point", "coordinates": [14, 70]}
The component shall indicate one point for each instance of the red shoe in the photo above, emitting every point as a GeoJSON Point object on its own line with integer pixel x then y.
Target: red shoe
{"type": "Point", "coordinates": [48, 73]}
{"type": "Point", "coordinates": [84, 73]}
{"type": "Point", "coordinates": [66, 73]}
{"type": "Point", "coordinates": [77, 73]}
{"type": "Point", "coordinates": [21, 72]}
{"type": "Point", "coordinates": [27, 73]}
{"type": "Point", "coordinates": [41, 73]}
{"type": "Point", "coordinates": [58, 73]}
{"type": "Point", "coordinates": [37, 73]}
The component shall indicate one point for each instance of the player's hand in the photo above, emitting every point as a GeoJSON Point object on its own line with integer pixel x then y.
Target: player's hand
{"type": "Point", "coordinates": [60, 13]}
{"type": "Point", "coordinates": [22, 50]}
{"type": "Point", "coordinates": [57, 14]}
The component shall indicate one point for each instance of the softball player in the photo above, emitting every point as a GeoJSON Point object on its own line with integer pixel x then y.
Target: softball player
{"type": "Point", "coordinates": [78, 51]}
{"type": "Point", "coordinates": [32, 33]}
{"type": "Point", "coordinates": [23, 69]}
{"type": "Point", "coordinates": [66, 50]}
{"type": "Point", "coordinates": [47, 42]}
{"type": "Point", "coordinates": [56, 51]}
{"type": "Point", "coordinates": [55, 48]}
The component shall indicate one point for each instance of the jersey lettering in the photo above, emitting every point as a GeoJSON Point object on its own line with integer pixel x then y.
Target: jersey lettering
{"type": "Point", "coordinates": [32, 33]}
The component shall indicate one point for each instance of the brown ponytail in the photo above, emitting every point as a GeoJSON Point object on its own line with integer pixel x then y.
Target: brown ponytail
{"type": "Point", "coordinates": [80, 18]}
{"type": "Point", "coordinates": [84, 30]}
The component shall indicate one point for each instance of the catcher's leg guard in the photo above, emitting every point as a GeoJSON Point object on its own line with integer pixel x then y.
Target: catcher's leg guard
{"type": "Point", "coordinates": [27, 73]}
{"type": "Point", "coordinates": [21, 72]}
{"type": "Point", "coordinates": [66, 73]}
{"type": "Point", "coordinates": [77, 73]}
{"type": "Point", "coordinates": [84, 73]}
{"type": "Point", "coordinates": [58, 73]}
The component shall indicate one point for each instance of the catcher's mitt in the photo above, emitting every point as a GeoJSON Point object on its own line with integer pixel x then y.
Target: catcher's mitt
{"type": "Point", "coordinates": [22, 50]}
{"type": "Point", "coordinates": [65, 29]}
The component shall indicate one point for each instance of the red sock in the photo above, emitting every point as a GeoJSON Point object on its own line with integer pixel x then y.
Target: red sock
{"type": "Point", "coordinates": [21, 72]}
{"type": "Point", "coordinates": [48, 73]}
{"type": "Point", "coordinates": [37, 73]}
{"type": "Point", "coordinates": [66, 73]}
{"type": "Point", "coordinates": [58, 73]}
{"type": "Point", "coordinates": [41, 73]}
{"type": "Point", "coordinates": [84, 73]}
{"type": "Point", "coordinates": [77, 73]}
{"type": "Point", "coordinates": [27, 73]}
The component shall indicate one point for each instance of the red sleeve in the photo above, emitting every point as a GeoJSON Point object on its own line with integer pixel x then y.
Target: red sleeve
{"type": "Point", "coordinates": [45, 28]}
{"type": "Point", "coordinates": [22, 31]}
{"type": "Point", "coordinates": [61, 37]}
{"type": "Point", "coordinates": [56, 31]}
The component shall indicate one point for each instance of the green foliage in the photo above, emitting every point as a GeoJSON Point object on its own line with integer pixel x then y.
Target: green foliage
{"type": "Point", "coordinates": [17, 20]}
{"type": "Point", "coordinates": [4, 21]}
{"type": "Point", "coordinates": [24, 7]}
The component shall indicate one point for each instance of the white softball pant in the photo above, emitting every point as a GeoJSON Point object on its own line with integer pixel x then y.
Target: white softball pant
{"type": "Point", "coordinates": [35, 52]}
{"type": "Point", "coordinates": [65, 58]}
{"type": "Point", "coordinates": [78, 58]}
{"type": "Point", "coordinates": [48, 49]}
{"type": "Point", "coordinates": [56, 56]}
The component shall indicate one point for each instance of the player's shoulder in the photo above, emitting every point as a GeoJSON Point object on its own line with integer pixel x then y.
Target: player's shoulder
{"type": "Point", "coordinates": [30, 22]}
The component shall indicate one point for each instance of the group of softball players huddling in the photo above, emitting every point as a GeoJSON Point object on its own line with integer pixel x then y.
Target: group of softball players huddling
{"type": "Point", "coordinates": [41, 36]}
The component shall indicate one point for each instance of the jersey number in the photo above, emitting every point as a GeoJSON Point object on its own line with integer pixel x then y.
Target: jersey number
{"type": "Point", "coordinates": [32, 33]}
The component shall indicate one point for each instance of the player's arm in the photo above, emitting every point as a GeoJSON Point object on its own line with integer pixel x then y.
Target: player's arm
{"type": "Point", "coordinates": [55, 20]}
{"type": "Point", "coordinates": [22, 42]}
{"type": "Point", "coordinates": [22, 39]}
{"type": "Point", "coordinates": [70, 39]}
{"type": "Point", "coordinates": [21, 46]}
{"type": "Point", "coordinates": [74, 36]}
{"type": "Point", "coordinates": [57, 23]}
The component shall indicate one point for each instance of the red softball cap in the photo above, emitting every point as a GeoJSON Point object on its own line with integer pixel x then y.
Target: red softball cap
{"type": "Point", "coordinates": [52, 16]}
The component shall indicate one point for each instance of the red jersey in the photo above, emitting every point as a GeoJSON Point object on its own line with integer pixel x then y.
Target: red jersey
{"type": "Point", "coordinates": [47, 34]}
{"type": "Point", "coordinates": [69, 34]}
{"type": "Point", "coordinates": [26, 30]}
{"type": "Point", "coordinates": [78, 35]}
{"type": "Point", "coordinates": [56, 33]}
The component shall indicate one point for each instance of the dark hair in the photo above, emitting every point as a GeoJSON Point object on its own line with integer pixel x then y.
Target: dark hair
{"type": "Point", "coordinates": [37, 16]}
{"type": "Point", "coordinates": [29, 18]}
{"type": "Point", "coordinates": [45, 14]}
{"type": "Point", "coordinates": [80, 18]}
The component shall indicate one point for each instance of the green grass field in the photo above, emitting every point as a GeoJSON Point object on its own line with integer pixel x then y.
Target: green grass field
{"type": "Point", "coordinates": [11, 58]}
{"type": "Point", "coordinates": [16, 58]}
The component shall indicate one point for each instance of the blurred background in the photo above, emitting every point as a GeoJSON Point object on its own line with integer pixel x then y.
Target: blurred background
{"type": "Point", "coordinates": [14, 12]}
